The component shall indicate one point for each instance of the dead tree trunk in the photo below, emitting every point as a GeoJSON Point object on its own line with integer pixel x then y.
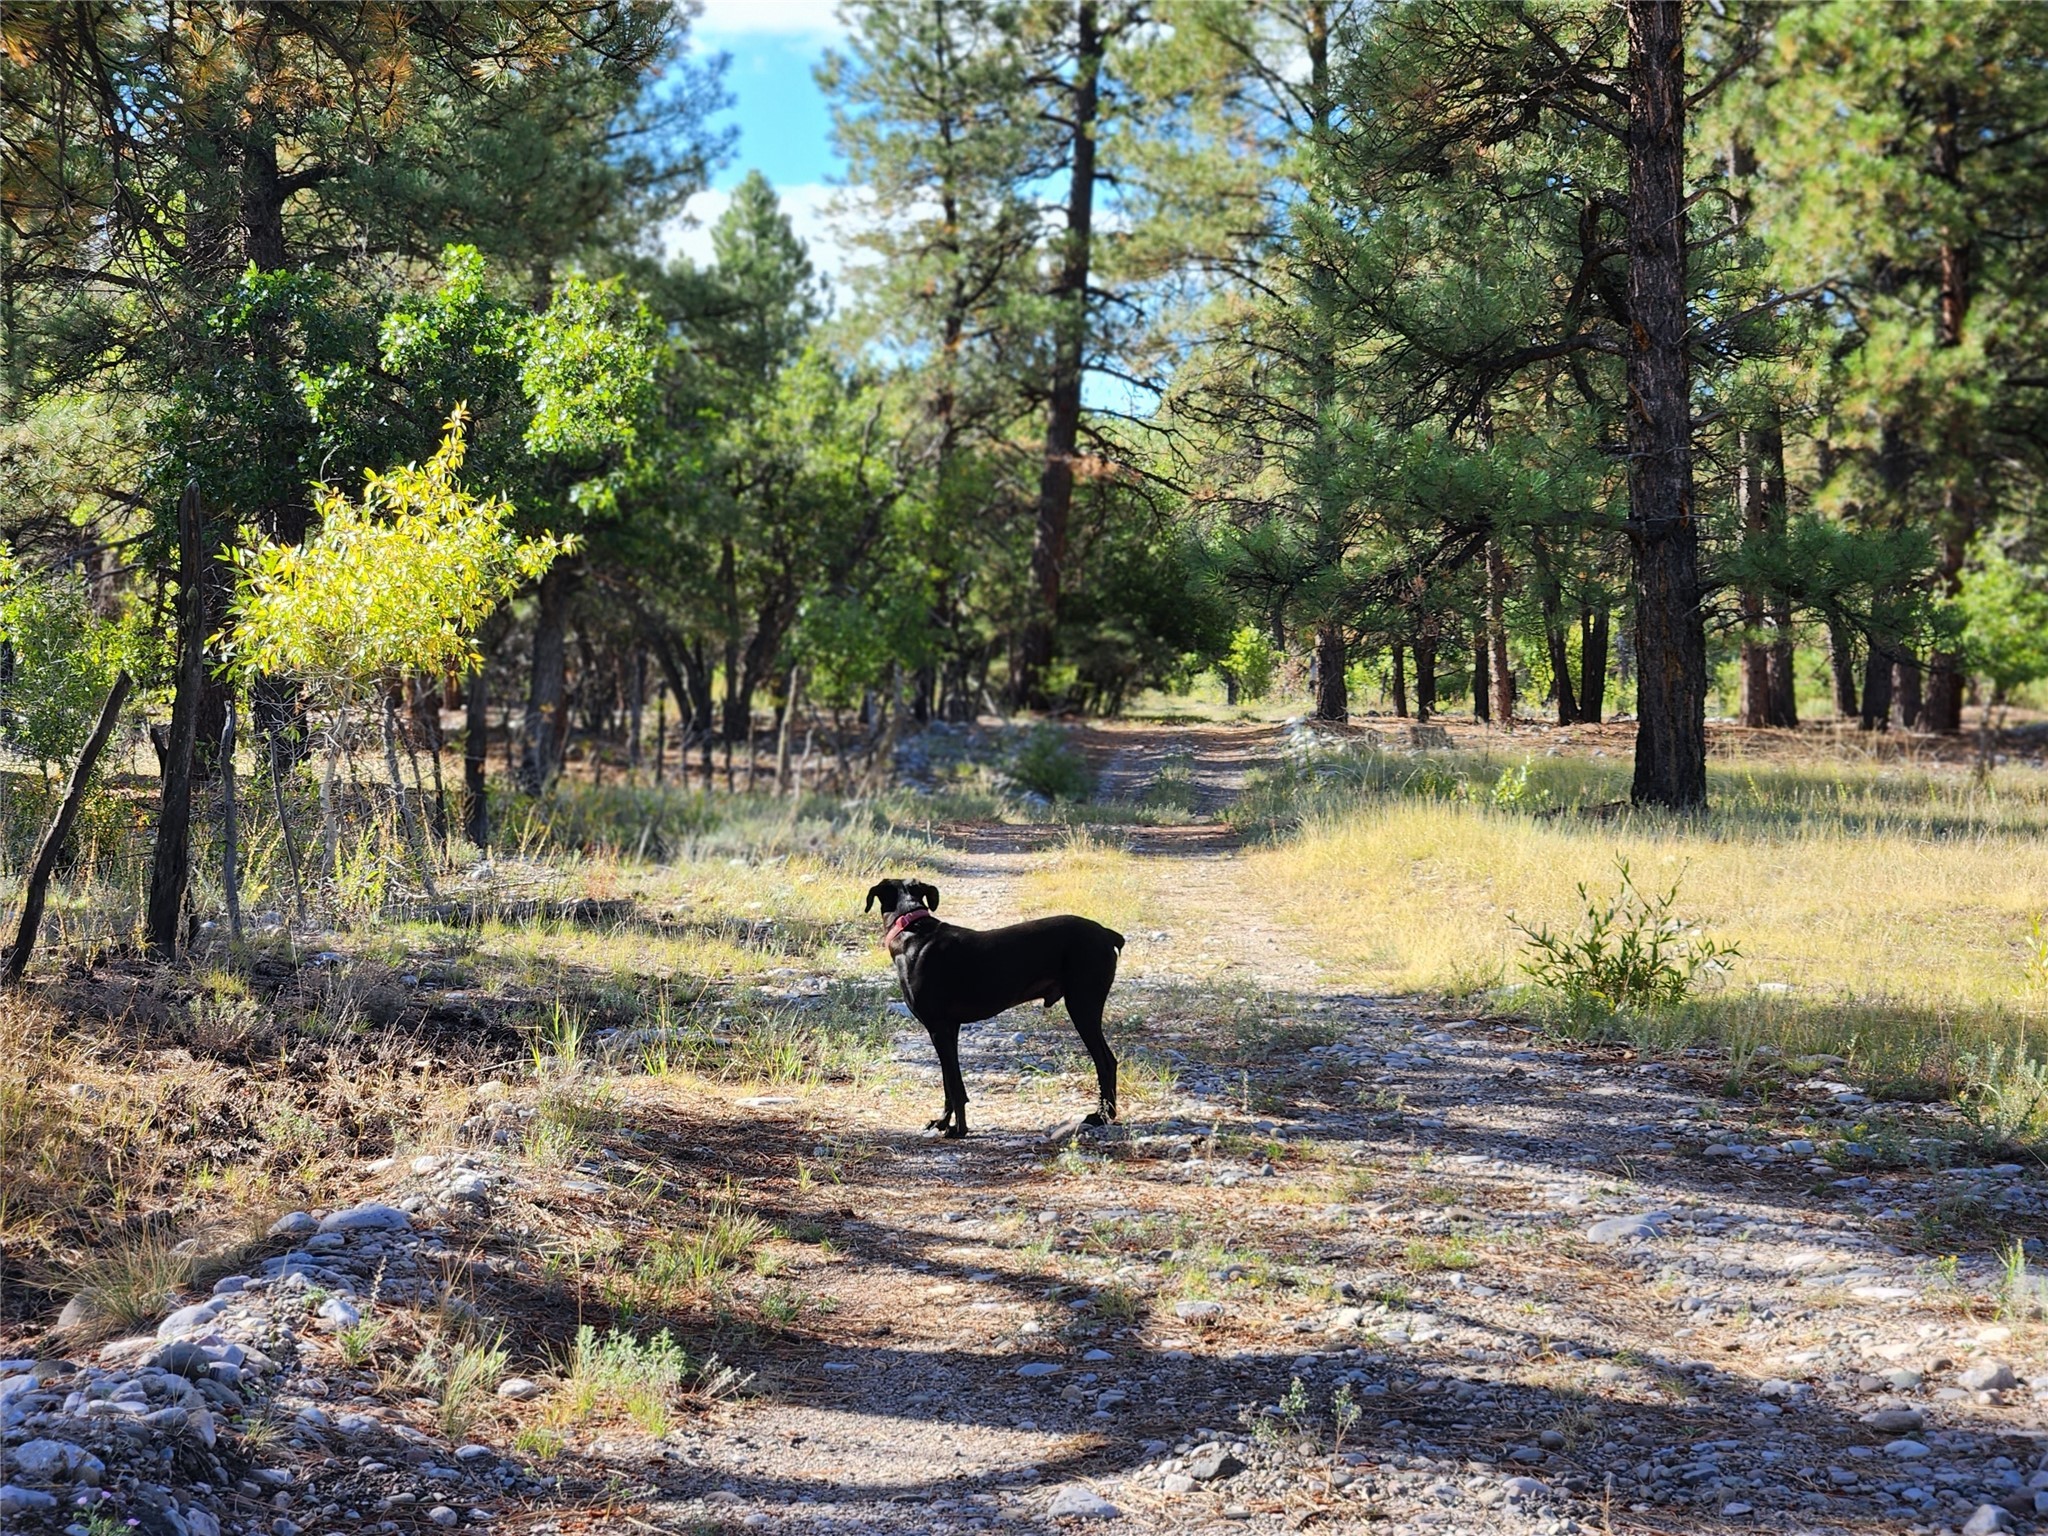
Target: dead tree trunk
{"type": "Point", "coordinates": [36, 890]}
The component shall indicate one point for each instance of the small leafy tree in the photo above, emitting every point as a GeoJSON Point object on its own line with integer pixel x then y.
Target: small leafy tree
{"type": "Point", "coordinates": [57, 660]}
{"type": "Point", "coordinates": [1250, 663]}
{"type": "Point", "coordinates": [2005, 619]}
{"type": "Point", "coordinates": [396, 582]}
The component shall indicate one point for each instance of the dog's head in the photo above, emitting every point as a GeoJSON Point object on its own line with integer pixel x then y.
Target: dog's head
{"type": "Point", "coordinates": [901, 896]}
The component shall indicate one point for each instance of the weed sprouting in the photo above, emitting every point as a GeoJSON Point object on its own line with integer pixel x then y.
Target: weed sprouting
{"type": "Point", "coordinates": [1631, 951]}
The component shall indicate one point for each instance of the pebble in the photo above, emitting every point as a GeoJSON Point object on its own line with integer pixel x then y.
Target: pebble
{"type": "Point", "coordinates": [1906, 1450]}
{"type": "Point", "coordinates": [518, 1388]}
{"type": "Point", "coordinates": [1525, 1488]}
{"type": "Point", "coordinates": [1198, 1311]}
{"type": "Point", "coordinates": [1988, 1520]}
{"type": "Point", "coordinates": [1213, 1464]}
{"type": "Point", "coordinates": [441, 1514]}
{"type": "Point", "coordinates": [1038, 1368]}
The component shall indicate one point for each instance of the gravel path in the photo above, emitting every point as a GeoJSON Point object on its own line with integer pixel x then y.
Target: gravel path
{"type": "Point", "coordinates": [1345, 1266]}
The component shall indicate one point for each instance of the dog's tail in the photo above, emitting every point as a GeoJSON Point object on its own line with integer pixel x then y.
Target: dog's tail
{"type": "Point", "coordinates": [1116, 939]}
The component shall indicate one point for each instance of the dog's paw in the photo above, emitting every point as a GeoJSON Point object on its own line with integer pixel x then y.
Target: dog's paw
{"type": "Point", "coordinates": [1095, 1119]}
{"type": "Point", "coordinates": [940, 1124]}
{"type": "Point", "coordinates": [955, 1132]}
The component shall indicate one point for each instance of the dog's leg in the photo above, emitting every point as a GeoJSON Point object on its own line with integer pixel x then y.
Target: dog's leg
{"type": "Point", "coordinates": [946, 1041]}
{"type": "Point", "coordinates": [1084, 1006]}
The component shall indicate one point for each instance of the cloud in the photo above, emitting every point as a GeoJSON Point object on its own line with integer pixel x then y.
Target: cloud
{"type": "Point", "coordinates": [808, 205]}
{"type": "Point", "coordinates": [723, 19]}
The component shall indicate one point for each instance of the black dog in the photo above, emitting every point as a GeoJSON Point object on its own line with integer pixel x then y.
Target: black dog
{"type": "Point", "coordinates": [953, 976]}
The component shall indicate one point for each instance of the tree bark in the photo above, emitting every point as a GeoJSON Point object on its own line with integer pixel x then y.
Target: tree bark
{"type": "Point", "coordinates": [1425, 673]}
{"type": "Point", "coordinates": [171, 862]}
{"type": "Point", "coordinates": [1960, 508]}
{"type": "Point", "coordinates": [1063, 414]}
{"type": "Point", "coordinates": [547, 687]}
{"type": "Point", "coordinates": [1400, 680]}
{"type": "Point", "coordinates": [1482, 706]}
{"type": "Point", "coordinates": [1593, 624]}
{"type": "Point", "coordinates": [408, 823]}
{"type": "Point", "coordinates": [1498, 664]}
{"type": "Point", "coordinates": [1556, 643]}
{"type": "Point", "coordinates": [1877, 689]}
{"type": "Point", "coordinates": [1332, 701]}
{"type": "Point", "coordinates": [476, 743]}
{"type": "Point", "coordinates": [1842, 664]}
{"type": "Point", "coordinates": [789, 708]}
{"type": "Point", "coordinates": [1671, 653]}
{"type": "Point", "coordinates": [36, 889]}
{"type": "Point", "coordinates": [1908, 701]}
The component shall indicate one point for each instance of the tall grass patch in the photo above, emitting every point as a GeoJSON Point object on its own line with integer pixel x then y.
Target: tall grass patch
{"type": "Point", "coordinates": [1881, 913]}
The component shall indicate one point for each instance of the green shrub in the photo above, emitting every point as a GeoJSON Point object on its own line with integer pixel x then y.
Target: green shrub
{"type": "Point", "coordinates": [1629, 952]}
{"type": "Point", "coordinates": [1047, 764]}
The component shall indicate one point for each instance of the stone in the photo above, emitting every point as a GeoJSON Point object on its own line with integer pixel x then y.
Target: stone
{"type": "Point", "coordinates": [182, 1358]}
{"type": "Point", "coordinates": [370, 1216]}
{"type": "Point", "coordinates": [78, 1311]}
{"type": "Point", "coordinates": [1075, 1502]}
{"type": "Point", "coordinates": [336, 1314]}
{"type": "Point", "coordinates": [1627, 1229]}
{"type": "Point", "coordinates": [1526, 1488]}
{"type": "Point", "coordinates": [1038, 1368]}
{"type": "Point", "coordinates": [190, 1319]}
{"type": "Point", "coordinates": [518, 1389]}
{"type": "Point", "coordinates": [1198, 1311]}
{"type": "Point", "coordinates": [1895, 1421]}
{"type": "Point", "coordinates": [1905, 1450]}
{"type": "Point", "coordinates": [297, 1224]}
{"type": "Point", "coordinates": [441, 1514]}
{"type": "Point", "coordinates": [1213, 1464]}
{"type": "Point", "coordinates": [1989, 1376]}
{"type": "Point", "coordinates": [1177, 1482]}
{"type": "Point", "coordinates": [1729, 1511]}
{"type": "Point", "coordinates": [202, 1522]}
{"type": "Point", "coordinates": [1989, 1520]}
{"type": "Point", "coordinates": [16, 1500]}
{"type": "Point", "coordinates": [56, 1461]}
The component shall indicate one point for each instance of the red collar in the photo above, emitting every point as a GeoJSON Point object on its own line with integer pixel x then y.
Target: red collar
{"type": "Point", "coordinates": [902, 920]}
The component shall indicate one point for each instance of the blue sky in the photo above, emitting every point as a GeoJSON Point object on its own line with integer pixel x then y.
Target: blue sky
{"type": "Point", "coordinates": [784, 125]}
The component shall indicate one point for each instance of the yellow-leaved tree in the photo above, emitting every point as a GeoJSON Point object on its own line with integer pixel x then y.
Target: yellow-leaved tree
{"type": "Point", "coordinates": [396, 582]}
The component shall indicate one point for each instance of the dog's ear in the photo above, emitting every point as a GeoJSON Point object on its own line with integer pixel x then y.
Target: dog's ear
{"type": "Point", "coordinates": [883, 891]}
{"type": "Point", "coordinates": [928, 894]}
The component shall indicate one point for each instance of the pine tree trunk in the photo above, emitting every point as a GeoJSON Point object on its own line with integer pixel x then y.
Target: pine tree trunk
{"type": "Point", "coordinates": [1960, 508]}
{"type": "Point", "coordinates": [1877, 688]}
{"type": "Point", "coordinates": [1842, 663]}
{"type": "Point", "coordinates": [1671, 655]}
{"type": "Point", "coordinates": [1782, 673]}
{"type": "Point", "coordinates": [1498, 664]}
{"type": "Point", "coordinates": [1400, 682]}
{"type": "Point", "coordinates": [476, 742]}
{"type": "Point", "coordinates": [1908, 701]}
{"type": "Point", "coordinates": [1482, 706]}
{"type": "Point", "coordinates": [1425, 675]}
{"type": "Point", "coordinates": [1560, 653]}
{"type": "Point", "coordinates": [1063, 415]}
{"type": "Point", "coordinates": [1593, 664]}
{"type": "Point", "coordinates": [171, 862]}
{"type": "Point", "coordinates": [1332, 655]}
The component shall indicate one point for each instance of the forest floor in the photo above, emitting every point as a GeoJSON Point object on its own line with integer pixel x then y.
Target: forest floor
{"type": "Point", "coordinates": [1351, 1261]}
